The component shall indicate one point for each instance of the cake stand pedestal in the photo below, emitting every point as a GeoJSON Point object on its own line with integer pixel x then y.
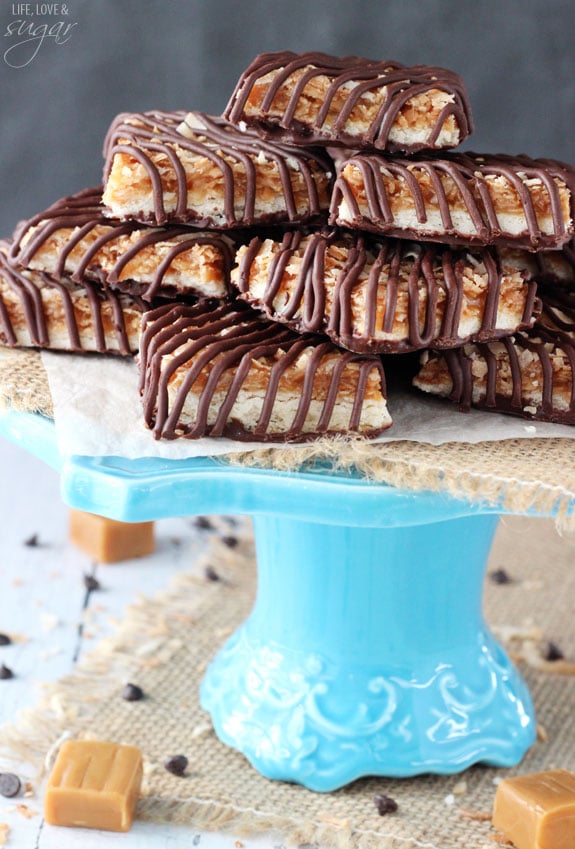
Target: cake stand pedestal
{"type": "Point", "coordinates": [366, 652]}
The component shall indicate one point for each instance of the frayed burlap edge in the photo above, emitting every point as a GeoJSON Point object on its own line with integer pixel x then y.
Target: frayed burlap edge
{"type": "Point", "coordinates": [24, 383]}
{"type": "Point", "coordinates": [513, 476]}
{"type": "Point", "coordinates": [455, 469]}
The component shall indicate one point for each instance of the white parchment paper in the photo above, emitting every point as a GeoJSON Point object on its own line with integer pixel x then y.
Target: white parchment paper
{"type": "Point", "coordinates": [97, 412]}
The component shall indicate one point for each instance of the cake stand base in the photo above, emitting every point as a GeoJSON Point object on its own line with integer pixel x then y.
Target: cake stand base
{"type": "Point", "coordinates": [366, 653]}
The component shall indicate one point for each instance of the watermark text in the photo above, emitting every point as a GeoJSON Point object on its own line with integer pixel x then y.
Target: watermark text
{"type": "Point", "coordinates": [34, 25]}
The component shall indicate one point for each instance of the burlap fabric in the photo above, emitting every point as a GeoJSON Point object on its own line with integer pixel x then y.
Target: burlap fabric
{"type": "Point", "coordinates": [519, 475]}
{"type": "Point", "coordinates": [23, 382]}
{"type": "Point", "coordinates": [164, 644]}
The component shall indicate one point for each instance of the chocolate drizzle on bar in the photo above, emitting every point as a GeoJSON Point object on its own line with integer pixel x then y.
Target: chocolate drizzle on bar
{"type": "Point", "coordinates": [552, 337]}
{"type": "Point", "coordinates": [351, 78]}
{"type": "Point", "coordinates": [428, 181]}
{"type": "Point", "coordinates": [544, 346]}
{"type": "Point", "coordinates": [30, 310]}
{"type": "Point", "coordinates": [217, 345]}
{"type": "Point", "coordinates": [428, 268]}
{"type": "Point", "coordinates": [84, 213]}
{"type": "Point", "coordinates": [159, 136]}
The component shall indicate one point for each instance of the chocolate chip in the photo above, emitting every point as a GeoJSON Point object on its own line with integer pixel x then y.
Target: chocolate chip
{"type": "Point", "coordinates": [5, 640]}
{"type": "Point", "coordinates": [230, 541]}
{"type": "Point", "coordinates": [5, 673]}
{"type": "Point", "coordinates": [91, 583]}
{"type": "Point", "coordinates": [211, 574]}
{"type": "Point", "coordinates": [204, 523]}
{"type": "Point", "coordinates": [385, 804]}
{"type": "Point", "coordinates": [132, 693]}
{"type": "Point", "coordinates": [553, 652]}
{"type": "Point", "coordinates": [177, 764]}
{"type": "Point", "coordinates": [32, 541]}
{"type": "Point", "coordinates": [500, 576]}
{"type": "Point", "coordinates": [10, 785]}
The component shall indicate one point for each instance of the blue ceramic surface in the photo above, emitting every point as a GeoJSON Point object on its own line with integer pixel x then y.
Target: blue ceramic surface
{"type": "Point", "coordinates": [366, 652]}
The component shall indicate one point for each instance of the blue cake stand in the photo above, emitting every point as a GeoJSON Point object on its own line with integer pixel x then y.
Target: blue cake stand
{"type": "Point", "coordinates": [366, 652]}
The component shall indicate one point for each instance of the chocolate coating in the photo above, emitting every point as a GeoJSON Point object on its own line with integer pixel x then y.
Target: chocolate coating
{"type": "Point", "coordinates": [402, 83]}
{"type": "Point", "coordinates": [429, 265]}
{"type": "Point", "coordinates": [212, 338]}
{"type": "Point", "coordinates": [145, 135]}
{"type": "Point", "coordinates": [468, 172]}
{"type": "Point", "coordinates": [84, 212]}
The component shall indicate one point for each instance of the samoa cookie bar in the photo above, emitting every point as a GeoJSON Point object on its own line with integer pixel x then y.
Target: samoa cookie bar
{"type": "Point", "coordinates": [314, 98]}
{"type": "Point", "coordinates": [37, 310]}
{"type": "Point", "coordinates": [530, 374]}
{"type": "Point", "coordinates": [387, 295]}
{"type": "Point", "coordinates": [221, 369]}
{"type": "Point", "coordinates": [191, 168]}
{"type": "Point", "coordinates": [465, 198]}
{"type": "Point", "coordinates": [74, 237]}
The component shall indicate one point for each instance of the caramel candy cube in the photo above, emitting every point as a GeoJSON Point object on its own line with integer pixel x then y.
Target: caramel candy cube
{"type": "Point", "coordinates": [537, 811]}
{"type": "Point", "coordinates": [109, 541]}
{"type": "Point", "coordinates": [94, 785]}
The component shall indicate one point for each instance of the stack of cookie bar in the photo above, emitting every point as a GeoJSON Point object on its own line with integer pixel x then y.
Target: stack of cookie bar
{"type": "Point", "coordinates": [262, 265]}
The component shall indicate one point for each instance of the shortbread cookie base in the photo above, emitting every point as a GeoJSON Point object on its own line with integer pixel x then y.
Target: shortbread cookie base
{"type": "Point", "coordinates": [226, 371]}
{"type": "Point", "coordinates": [465, 198]}
{"type": "Point", "coordinates": [387, 296]}
{"type": "Point", "coordinates": [189, 168]}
